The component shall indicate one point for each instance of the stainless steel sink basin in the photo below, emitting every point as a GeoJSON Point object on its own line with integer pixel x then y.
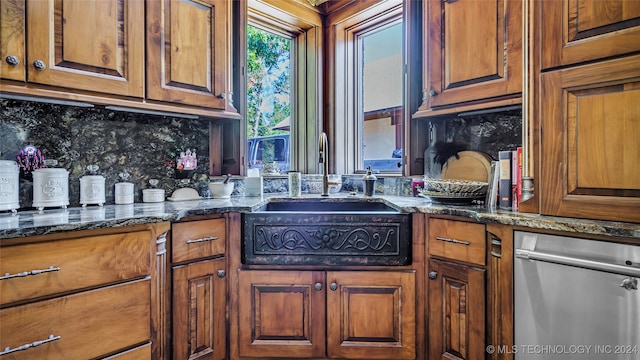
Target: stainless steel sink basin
{"type": "Point", "coordinates": [333, 231]}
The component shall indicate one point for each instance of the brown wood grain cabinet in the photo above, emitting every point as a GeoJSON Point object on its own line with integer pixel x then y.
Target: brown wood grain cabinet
{"type": "Point", "coordinates": [87, 45]}
{"type": "Point", "coordinates": [12, 40]}
{"type": "Point", "coordinates": [199, 297]}
{"type": "Point", "coordinates": [576, 31]}
{"type": "Point", "coordinates": [472, 52]}
{"type": "Point", "coordinates": [86, 294]}
{"type": "Point", "coordinates": [586, 103]}
{"type": "Point", "coordinates": [188, 52]}
{"type": "Point", "coordinates": [332, 314]}
{"type": "Point", "coordinates": [469, 288]}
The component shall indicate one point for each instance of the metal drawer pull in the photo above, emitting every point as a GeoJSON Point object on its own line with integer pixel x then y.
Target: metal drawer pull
{"type": "Point", "coordinates": [204, 239]}
{"type": "Point", "coordinates": [9, 350]}
{"type": "Point", "coordinates": [29, 273]}
{"type": "Point", "coordinates": [583, 263]}
{"type": "Point", "coordinates": [453, 241]}
{"type": "Point", "coordinates": [495, 254]}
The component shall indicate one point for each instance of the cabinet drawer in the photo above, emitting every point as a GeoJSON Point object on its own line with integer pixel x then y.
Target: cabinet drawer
{"type": "Point", "coordinates": [457, 240]}
{"type": "Point", "coordinates": [198, 239]}
{"type": "Point", "coordinates": [34, 270]}
{"type": "Point", "coordinates": [89, 324]}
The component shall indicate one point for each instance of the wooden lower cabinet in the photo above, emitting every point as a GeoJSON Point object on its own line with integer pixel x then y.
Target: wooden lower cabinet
{"type": "Point", "coordinates": [456, 311]}
{"type": "Point", "coordinates": [199, 297]}
{"type": "Point", "coordinates": [199, 309]}
{"type": "Point", "coordinates": [334, 314]}
{"type": "Point", "coordinates": [83, 294]}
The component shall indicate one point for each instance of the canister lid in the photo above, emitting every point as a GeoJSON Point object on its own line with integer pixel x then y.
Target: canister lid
{"type": "Point", "coordinates": [8, 165]}
{"type": "Point", "coordinates": [51, 171]}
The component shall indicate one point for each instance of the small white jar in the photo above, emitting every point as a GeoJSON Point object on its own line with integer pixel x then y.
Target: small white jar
{"type": "Point", "coordinates": [50, 188]}
{"type": "Point", "coordinates": [9, 185]}
{"type": "Point", "coordinates": [92, 190]}
{"type": "Point", "coordinates": [153, 195]}
{"type": "Point", "coordinates": [124, 193]}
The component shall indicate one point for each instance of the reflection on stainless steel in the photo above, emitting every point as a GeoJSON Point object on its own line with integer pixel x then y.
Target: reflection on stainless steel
{"type": "Point", "coordinates": [574, 293]}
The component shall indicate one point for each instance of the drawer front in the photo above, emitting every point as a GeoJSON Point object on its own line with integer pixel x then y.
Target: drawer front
{"type": "Point", "coordinates": [34, 270]}
{"type": "Point", "coordinates": [121, 314]}
{"type": "Point", "coordinates": [457, 240]}
{"type": "Point", "coordinates": [198, 239]}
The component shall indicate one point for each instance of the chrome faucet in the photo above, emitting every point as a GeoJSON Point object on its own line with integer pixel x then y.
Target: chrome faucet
{"type": "Point", "coordinates": [323, 158]}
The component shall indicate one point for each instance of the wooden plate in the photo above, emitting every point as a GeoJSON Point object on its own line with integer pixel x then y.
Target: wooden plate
{"type": "Point", "coordinates": [471, 165]}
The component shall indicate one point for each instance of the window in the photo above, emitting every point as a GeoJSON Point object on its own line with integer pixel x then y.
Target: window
{"type": "Point", "coordinates": [379, 112]}
{"type": "Point", "coordinates": [283, 79]}
{"type": "Point", "coordinates": [269, 97]}
{"type": "Point", "coordinates": [368, 78]}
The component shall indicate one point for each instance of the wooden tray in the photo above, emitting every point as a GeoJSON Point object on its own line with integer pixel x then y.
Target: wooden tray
{"type": "Point", "coordinates": [470, 165]}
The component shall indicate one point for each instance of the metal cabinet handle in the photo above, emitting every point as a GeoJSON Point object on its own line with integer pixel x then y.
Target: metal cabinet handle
{"type": "Point", "coordinates": [453, 241]}
{"type": "Point", "coordinates": [432, 93]}
{"type": "Point", "coordinates": [9, 350]}
{"type": "Point", "coordinates": [333, 286]}
{"type": "Point", "coordinates": [221, 273]}
{"type": "Point", "coordinates": [222, 96]}
{"type": "Point", "coordinates": [12, 60]}
{"type": "Point", "coordinates": [433, 275]}
{"type": "Point", "coordinates": [204, 239]}
{"type": "Point", "coordinates": [318, 286]}
{"type": "Point", "coordinates": [29, 273]}
{"type": "Point", "coordinates": [39, 65]}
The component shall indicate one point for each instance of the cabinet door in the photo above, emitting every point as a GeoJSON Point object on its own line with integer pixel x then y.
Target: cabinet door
{"type": "Point", "coordinates": [589, 143]}
{"type": "Point", "coordinates": [575, 31]}
{"type": "Point", "coordinates": [281, 314]}
{"type": "Point", "coordinates": [371, 315]}
{"type": "Point", "coordinates": [456, 311]}
{"type": "Point", "coordinates": [12, 40]}
{"type": "Point", "coordinates": [187, 52]}
{"type": "Point", "coordinates": [87, 45]}
{"type": "Point", "coordinates": [474, 50]}
{"type": "Point", "coordinates": [199, 308]}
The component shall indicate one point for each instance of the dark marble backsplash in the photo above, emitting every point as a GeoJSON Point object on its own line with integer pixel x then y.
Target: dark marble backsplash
{"type": "Point", "coordinates": [489, 133]}
{"type": "Point", "coordinates": [145, 146]}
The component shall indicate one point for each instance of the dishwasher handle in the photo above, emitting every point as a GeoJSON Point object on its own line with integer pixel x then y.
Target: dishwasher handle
{"type": "Point", "coordinates": [583, 263]}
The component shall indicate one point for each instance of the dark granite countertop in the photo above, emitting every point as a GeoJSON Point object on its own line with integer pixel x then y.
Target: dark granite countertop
{"type": "Point", "coordinates": [30, 223]}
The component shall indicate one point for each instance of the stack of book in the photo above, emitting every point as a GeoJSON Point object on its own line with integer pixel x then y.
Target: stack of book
{"type": "Point", "coordinates": [509, 179]}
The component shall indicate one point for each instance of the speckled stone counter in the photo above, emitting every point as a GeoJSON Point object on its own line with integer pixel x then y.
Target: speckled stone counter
{"type": "Point", "coordinates": [31, 223]}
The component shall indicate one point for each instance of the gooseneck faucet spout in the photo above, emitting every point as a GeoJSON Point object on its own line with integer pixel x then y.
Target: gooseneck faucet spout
{"type": "Point", "coordinates": [323, 158]}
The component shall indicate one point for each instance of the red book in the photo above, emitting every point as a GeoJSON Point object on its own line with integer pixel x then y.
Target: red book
{"type": "Point", "coordinates": [519, 174]}
{"type": "Point", "coordinates": [514, 180]}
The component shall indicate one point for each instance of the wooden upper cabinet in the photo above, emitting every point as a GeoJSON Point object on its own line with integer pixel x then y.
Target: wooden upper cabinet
{"type": "Point", "coordinates": [473, 50]}
{"type": "Point", "coordinates": [187, 52]}
{"type": "Point", "coordinates": [590, 129]}
{"type": "Point", "coordinates": [12, 39]}
{"type": "Point", "coordinates": [575, 31]}
{"type": "Point", "coordinates": [87, 45]}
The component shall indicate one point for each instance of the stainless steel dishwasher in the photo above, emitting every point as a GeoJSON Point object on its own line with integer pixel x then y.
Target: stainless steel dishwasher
{"type": "Point", "coordinates": [575, 298]}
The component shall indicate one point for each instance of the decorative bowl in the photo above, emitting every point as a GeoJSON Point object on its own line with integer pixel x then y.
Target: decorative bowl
{"type": "Point", "coordinates": [453, 186]}
{"type": "Point", "coordinates": [221, 190]}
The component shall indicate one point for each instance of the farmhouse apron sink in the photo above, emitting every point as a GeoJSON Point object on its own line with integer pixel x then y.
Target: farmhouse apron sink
{"type": "Point", "coordinates": [326, 232]}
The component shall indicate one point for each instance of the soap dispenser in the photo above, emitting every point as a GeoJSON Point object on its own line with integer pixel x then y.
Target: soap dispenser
{"type": "Point", "coordinates": [369, 182]}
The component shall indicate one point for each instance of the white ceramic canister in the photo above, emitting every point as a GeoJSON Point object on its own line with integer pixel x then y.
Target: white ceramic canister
{"type": "Point", "coordinates": [50, 188]}
{"type": "Point", "coordinates": [124, 193]}
{"type": "Point", "coordinates": [9, 185]}
{"type": "Point", "coordinates": [92, 190]}
{"type": "Point", "coordinates": [152, 195]}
